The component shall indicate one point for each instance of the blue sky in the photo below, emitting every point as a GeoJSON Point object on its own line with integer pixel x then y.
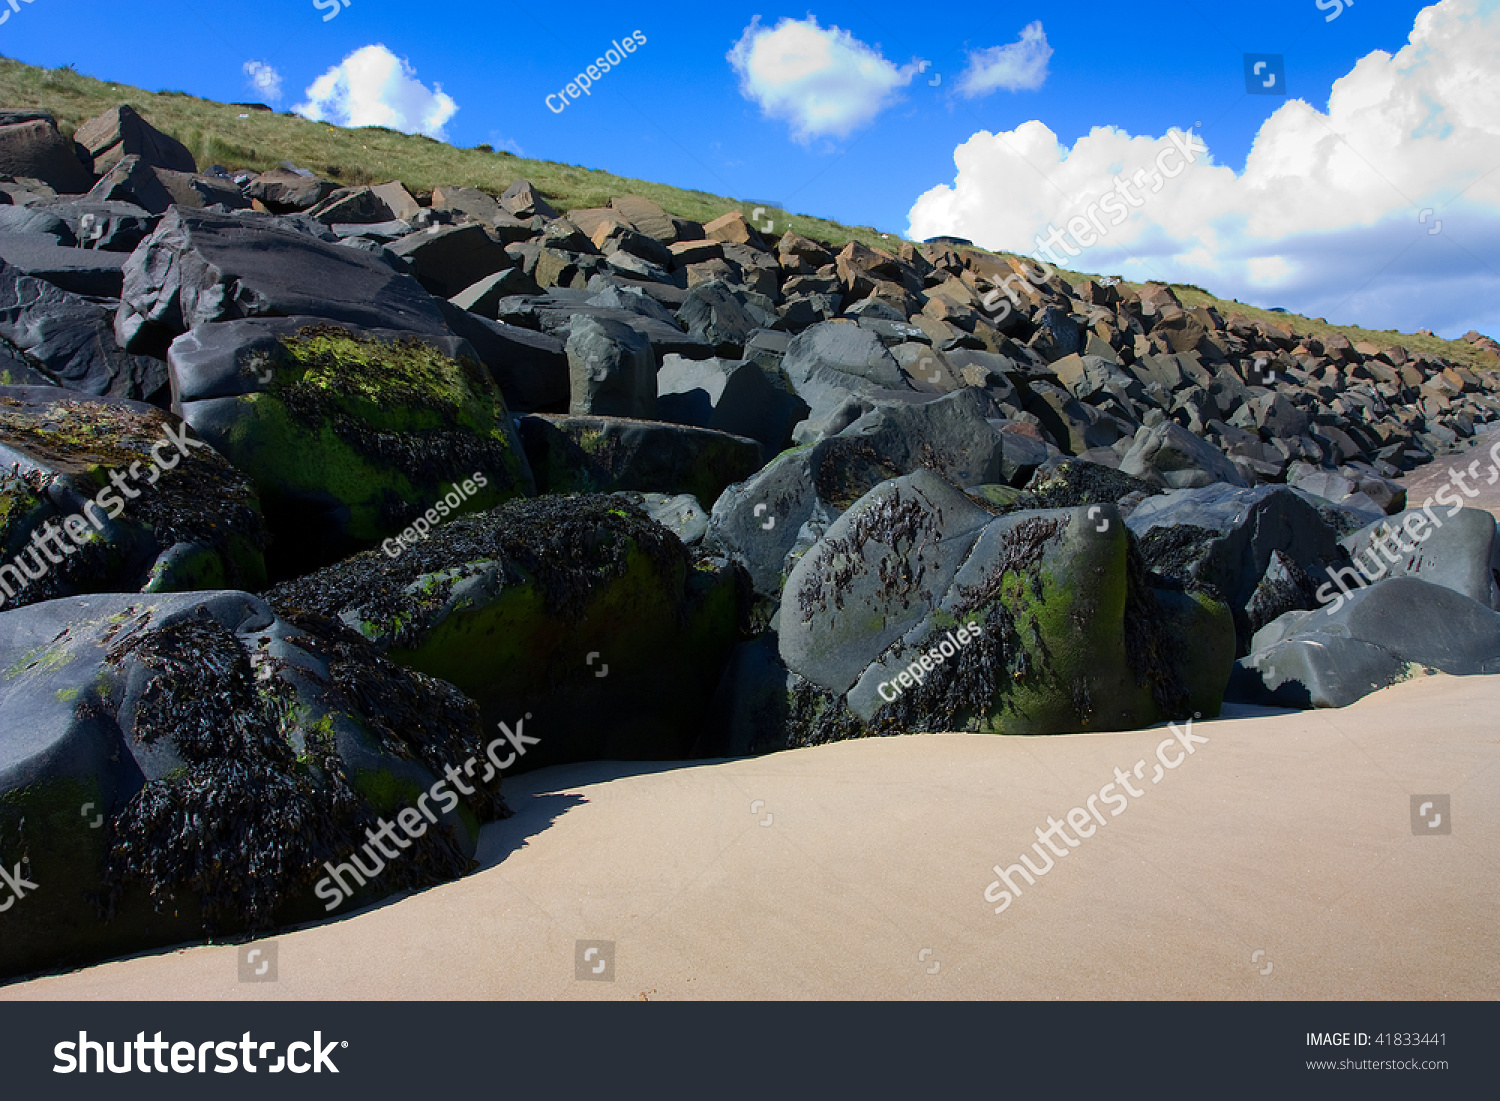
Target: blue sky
{"type": "Point", "coordinates": [1328, 221]}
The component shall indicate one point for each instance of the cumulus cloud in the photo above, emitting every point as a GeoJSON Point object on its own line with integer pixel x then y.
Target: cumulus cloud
{"type": "Point", "coordinates": [823, 81]}
{"type": "Point", "coordinates": [374, 87]}
{"type": "Point", "coordinates": [1020, 66]}
{"type": "Point", "coordinates": [265, 80]}
{"type": "Point", "coordinates": [1328, 211]}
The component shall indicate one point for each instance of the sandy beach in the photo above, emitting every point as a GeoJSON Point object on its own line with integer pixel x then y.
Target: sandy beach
{"type": "Point", "coordinates": [1278, 861]}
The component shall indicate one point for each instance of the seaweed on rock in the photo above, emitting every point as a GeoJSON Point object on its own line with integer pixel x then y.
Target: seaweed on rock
{"type": "Point", "coordinates": [246, 822]}
{"type": "Point", "coordinates": [568, 545]}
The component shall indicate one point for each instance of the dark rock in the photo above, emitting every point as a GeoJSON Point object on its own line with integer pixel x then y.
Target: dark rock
{"type": "Point", "coordinates": [120, 132]}
{"type": "Point", "coordinates": [530, 368]}
{"type": "Point", "coordinates": [524, 201]}
{"type": "Point", "coordinates": [1379, 635]}
{"type": "Point", "coordinates": [283, 191]}
{"type": "Point", "coordinates": [611, 369]}
{"type": "Point", "coordinates": [198, 268]}
{"type": "Point", "coordinates": [353, 205]}
{"type": "Point", "coordinates": [131, 180]}
{"type": "Point", "coordinates": [232, 754]}
{"type": "Point", "coordinates": [1169, 455]}
{"type": "Point", "coordinates": [71, 341]}
{"type": "Point", "coordinates": [87, 272]}
{"type": "Point", "coordinates": [1221, 539]}
{"type": "Point", "coordinates": [593, 454]}
{"type": "Point", "coordinates": [31, 221]}
{"type": "Point", "coordinates": [1069, 636]}
{"type": "Point", "coordinates": [108, 226]}
{"type": "Point", "coordinates": [348, 435]}
{"type": "Point", "coordinates": [743, 399]}
{"type": "Point", "coordinates": [546, 582]}
{"type": "Point", "coordinates": [179, 519]}
{"type": "Point", "coordinates": [833, 361]}
{"type": "Point", "coordinates": [31, 146]}
{"type": "Point", "coordinates": [720, 318]}
{"type": "Point", "coordinates": [1459, 552]}
{"type": "Point", "coordinates": [766, 522]}
{"type": "Point", "coordinates": [448, 259]}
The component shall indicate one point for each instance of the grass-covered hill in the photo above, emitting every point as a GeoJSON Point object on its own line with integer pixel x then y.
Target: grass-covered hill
{"type": "Point", "coordinates": [241, 136]}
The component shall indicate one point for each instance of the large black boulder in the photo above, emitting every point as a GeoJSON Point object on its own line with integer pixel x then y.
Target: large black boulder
{"type": "Point", "coordinates": [180, 766]}
{"type": "Point", "coordinates": [200, 267]}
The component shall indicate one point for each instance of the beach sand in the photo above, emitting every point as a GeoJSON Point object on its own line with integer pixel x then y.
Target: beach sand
{"type": "Point", "coordinates": [1278, 861]}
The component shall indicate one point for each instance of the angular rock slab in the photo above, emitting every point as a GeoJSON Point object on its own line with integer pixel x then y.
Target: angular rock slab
{"type": "Point", "coordinates": [71, 340]}
{"type": "Point", "coordinates": [348, 435]}
{"type": "Point", "coordinates": [1041, 621]}
{"type": "Point", "coordinates": [1223, 537]}
{"type": "Point", "coordinates": [191, 761]}
{"type": "Point", "coordinates": [1171, 456]}
{"type": "Point", "coordinates": [1377, 636]}
{"type": "Point", "coordinates": [1455, 549]}
{"type": "Point", "coordinates": [604, 454]}
{"type": "Point", "coordinates": [196, 268]}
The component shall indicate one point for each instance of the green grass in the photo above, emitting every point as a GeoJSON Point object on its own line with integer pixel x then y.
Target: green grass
{"type": "Point", "coordinates": [216, 134]}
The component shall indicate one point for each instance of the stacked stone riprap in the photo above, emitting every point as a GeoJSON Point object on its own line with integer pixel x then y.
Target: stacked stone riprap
{"type": "Point", "coordinates": [662, 488]}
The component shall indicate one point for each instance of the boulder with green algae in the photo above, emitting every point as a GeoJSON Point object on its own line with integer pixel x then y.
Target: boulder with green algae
{"type": "Point", "coordinates": [182, 766]}
{"type": "Point", "coordinates": [194, 525]}
{"type": "Point", "coordinates": [348, 436]}
{"type": "Point", "coordinates": [579, 613]}
{"type": "Point", "coordinates": [1068, 632]}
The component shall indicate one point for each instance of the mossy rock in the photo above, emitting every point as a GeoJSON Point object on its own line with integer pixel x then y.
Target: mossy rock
{"type": "Point", "coordinates": [193, 525]}
{"type": "Point", "coordinates": [1044, 622]}
{"type": "Point", "coordinates": [181, 766]}
{"type": "Point", "coordinates": [347, 435]}
{"type": "Point", "coordinates": [580, 616]}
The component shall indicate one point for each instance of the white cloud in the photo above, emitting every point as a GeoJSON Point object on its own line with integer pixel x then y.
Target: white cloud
{"type": "Point", "coordinates": [1325, 215]}
{"type": "Point", "coordinates": [1020, 66]}
{"type": "Point", "coordinates": [374, 87]}
{"type": "Point", "coordinates": [265, 80]}
{"type": "Point", "coordinates": [824, 82]}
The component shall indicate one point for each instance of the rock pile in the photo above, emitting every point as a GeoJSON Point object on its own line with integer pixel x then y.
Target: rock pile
{"type": "Point", "coordinates": [738, 494]}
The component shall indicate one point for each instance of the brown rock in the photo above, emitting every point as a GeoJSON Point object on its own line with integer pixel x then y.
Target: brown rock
{"type": "Point", "coordinates": [31, 146]}
{"type": "Point", "coordinates": [646, 217]}
{"type": "Point", "coordinates": [732, 227]}
{"type": "Point", "coordinates": [120, 132]}
{"type": "Point", "coordinates": [400, 201]}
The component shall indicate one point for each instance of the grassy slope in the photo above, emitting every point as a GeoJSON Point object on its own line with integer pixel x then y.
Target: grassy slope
{"type": "Point", "coordinates": [216, 134]}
